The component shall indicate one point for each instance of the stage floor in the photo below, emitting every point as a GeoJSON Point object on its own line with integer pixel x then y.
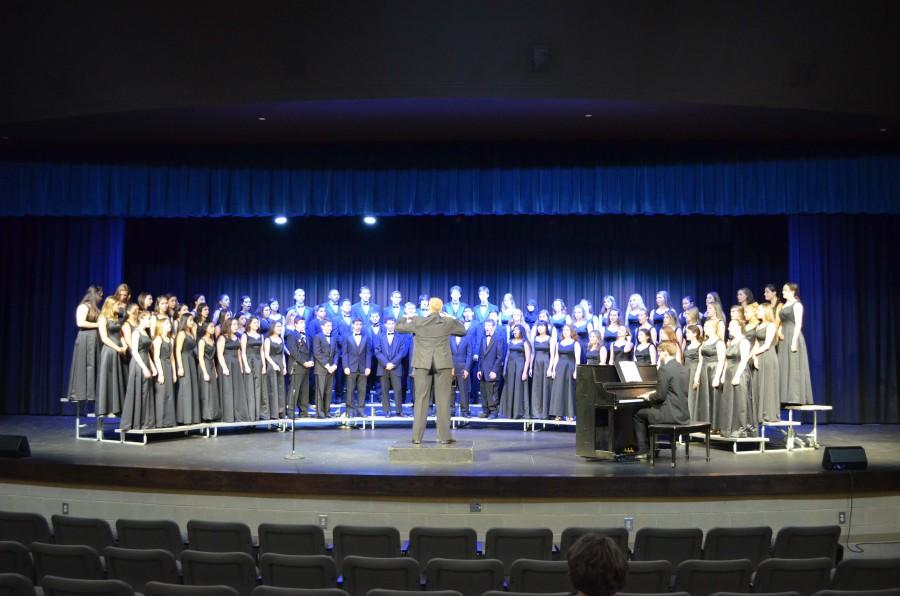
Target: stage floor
{"type": "Point", "coordinates": [508, 462]}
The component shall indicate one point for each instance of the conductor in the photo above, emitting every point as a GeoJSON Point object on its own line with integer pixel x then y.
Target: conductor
{"type": "Point", "coordinates": [432, 362]}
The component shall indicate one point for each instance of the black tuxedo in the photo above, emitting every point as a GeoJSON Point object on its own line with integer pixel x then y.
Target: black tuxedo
{"type": "Point", "coordinates": [324, 353]}
{"type": "Point", "coordinates": [490, 360]}
{"type": "Point", "coordinates": [356, 358]}
{"type": "Point", "coordinates": [389, 312]}
{"type": "Point", "coordinates": [667, 405]}
{"type": "Point", "coordinates": [390, 352]}
{"type": "Point", "coordinates": [455, 311]}
{"type": "Point", "coordinates": [300, 351]}
{"type": "Point", "coordinates": [461, 351]}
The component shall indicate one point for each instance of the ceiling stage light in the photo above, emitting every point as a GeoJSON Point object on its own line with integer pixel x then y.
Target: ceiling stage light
{"type": "Point", "coordinates": [370, 220]}
{"type": "Point", "coordinates": [281, 220]}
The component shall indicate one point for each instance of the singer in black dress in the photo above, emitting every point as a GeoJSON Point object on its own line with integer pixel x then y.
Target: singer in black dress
{"type": "Point", "coordinates": [210, 402]}
{"type": "Point", "coordinates": [793, 360]}
{"type": "Point", "coordinates": [621, 348]}
{"type": "Point", "coordinates": [568, 354]}
{"type": "Point", "coordinates": [188, 404]}
{"type": "Point", "coordinates": [732, 415]}
{"type": "Point", "coordinates": [86, 353]}
{"type": "Point", "coordinates": [644, 352]}
{"type": "Point", "coordinates": [712, 361]}
{"type": "Point", "coordinates": [662, 308]}
{"type": "Point", "coordinates": [766, 388]}
{"type": "Point", "coordinates": [111, 374]}
{"type": "Point", "coordinates": [583, 327]}
{"type": "Point", "coordinates": [541, 382]}
{"type": "Point", "coordinates": [139, 409]}
{"type": "Point", "coordinates": [611, 329]}
{"type": "Point", "coordinates": [163, 355]}
{"type": "Point", "coordinates": [515, 398]}
{"type": "Point", "coordinates": [595, 352]}
{"type": "Point", "coordinates": [233, 387]}
{"type": "Point", "coordinates": [276, 368]}
{"type": "Point", "coordinates": [254, 367]}
{"type": "Point", "coordinates": [693, 340]}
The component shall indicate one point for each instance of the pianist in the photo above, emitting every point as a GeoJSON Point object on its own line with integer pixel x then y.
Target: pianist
{"type": "Point", "coordinates": [669, 403]}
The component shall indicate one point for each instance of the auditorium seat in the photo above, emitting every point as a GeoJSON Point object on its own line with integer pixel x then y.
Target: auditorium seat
{"type": "Point", "coordinates": [801, 575]}
{"type": "Point", "coordinates": [291, 539]}
{"type": "Point", "coordinates": [882, 592]}
{"type": "Point", "coordinates": [807, 542]}
{"type": "Point", "coordinates": [365, 541]}
{"type": "Point", "coordinates": [702, 578]}
{"type": "Point", "coordinates": [67, 586]}
{"type": "Point", "coordinates": [570, 535]}
{"type": "Point", "coordinates": [362, 574]}
{"type": "Point", "coordinates": [164, 589]}
{"type": "Point", "coordinates": [16, 558]}
{"type": "Point", "coordinates": [544, 577]}
{"type": "Point", "coordinates": [24, 528]}
{"type": "Point", "coordinates": [728, 544]}
{"type": "Point", "coordinates": [502, 593]}
{"type": "Point", "coordinates": [668, 544]}
{"type": "Point", "coordinates": [659, 594]}
{"type": "Point", "coordinates": [442, 543]}
{"type": "Point", "coordinates": [298, 571]}
{"type": "Point", "coordinates": [88, 531]}
{"type": "Point", "coordinates": [66, 560]}
{"type": "Point", "coordinates": [148, 534]}
{"type": "Point", "coordinates": [273, 591]}
{"type": "Point", "coordinates": [136, 567]}
{"type": "Point", "coordinates": [740, 593]}
{"type": "Point", "coordinates": [511, 544]}
{"type": "Point", "coordinates": [867, 574]}
{"type": "Point", "coordinates": [236, 569]}
{"type": "Point", "coordinates": [470, 578]}
{"type": "Point", "coordinates": [220, 537]}
{"type": "Point", "coordinates": [15, 584]}
{"type": "Point", "coordinates": [381, 592]}
{"type": "Point", "coordinates": [648, 577]}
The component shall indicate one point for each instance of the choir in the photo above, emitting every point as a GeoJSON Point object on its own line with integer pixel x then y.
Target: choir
{"type": "Point", "coordinates": [160, 363]}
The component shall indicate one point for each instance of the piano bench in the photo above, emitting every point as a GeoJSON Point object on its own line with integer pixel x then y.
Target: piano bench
{"type": "Point", "coordinates": [675, 431]}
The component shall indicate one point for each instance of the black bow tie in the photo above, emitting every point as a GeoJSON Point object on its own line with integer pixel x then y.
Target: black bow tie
{"type": "Point", "coordinates": [390, 335]}
{"type": "Point", "coordinates": [356, 334]}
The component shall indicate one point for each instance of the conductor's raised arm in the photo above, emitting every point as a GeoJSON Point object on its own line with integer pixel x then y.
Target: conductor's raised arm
{"type": "Point", "coordinates": [406, 325]}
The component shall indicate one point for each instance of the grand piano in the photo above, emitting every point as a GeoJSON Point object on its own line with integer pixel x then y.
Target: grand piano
{"type": "Point", "coordinates": [604, 408]}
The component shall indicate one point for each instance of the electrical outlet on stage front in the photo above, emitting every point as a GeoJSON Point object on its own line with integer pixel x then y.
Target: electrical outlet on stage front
{"type": "Point", "coordinates": [323, 522]}
{"type": "Point", "coordinates": [65, 509]}
{"type": "Point", "coordinates": [474, 507]}
{"type": "Point", "coordinates": [629, 523]}
{"type": "Point", "coordinates": [842, 517]}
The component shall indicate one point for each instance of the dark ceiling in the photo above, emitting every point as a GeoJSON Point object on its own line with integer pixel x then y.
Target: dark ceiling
{"type": "Point", "coordinates": [230, 73]}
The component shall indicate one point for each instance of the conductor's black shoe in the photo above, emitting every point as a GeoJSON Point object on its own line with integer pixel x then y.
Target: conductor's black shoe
{"type": "Point", "coordinates": [493, 416]}
{"type": "Point", "coordinates": [643, 455]}
{"type": "Point", "coordinates": [415, 442]}
{"type": "Point", "coordinates": [484, 414]}
{"type": "Point", "coordinates": [448, 441]}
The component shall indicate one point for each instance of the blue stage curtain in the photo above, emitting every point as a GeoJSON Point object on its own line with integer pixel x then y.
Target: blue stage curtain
{"type": "Point", "coordinates": [846, 268]}
{"type": "Point", "coordinates": [49, 263]}
{"type": "Point", "coordinates": [716, 184]}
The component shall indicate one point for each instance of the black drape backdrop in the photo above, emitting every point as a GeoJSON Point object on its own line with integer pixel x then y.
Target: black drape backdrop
{"type": "Point", "coordinates": [847, 271]}
{"type": "Point", "coordinates": [532, 257]}
{"type": "Point", "coordinates": [843, 265]}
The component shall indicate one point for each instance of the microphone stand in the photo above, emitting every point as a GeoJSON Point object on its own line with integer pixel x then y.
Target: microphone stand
{"type": "Point", "coordinates": [293, 454]}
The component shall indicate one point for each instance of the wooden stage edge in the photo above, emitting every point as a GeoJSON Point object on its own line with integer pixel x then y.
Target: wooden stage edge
{"type": "Point", "coordinates": [698, 486]}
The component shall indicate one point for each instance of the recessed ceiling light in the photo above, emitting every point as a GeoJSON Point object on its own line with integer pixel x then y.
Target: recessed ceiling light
{"type": "Point", "coordinates": [588, 115]}
{"type": "Point", "coordinates": [280, 220]}
{"type": "Point", "coordinates": [370, 220]}
{"type": "Point", "coordinates": [261, 118]}
{"type": "Point", "coordinates": [880, 130]}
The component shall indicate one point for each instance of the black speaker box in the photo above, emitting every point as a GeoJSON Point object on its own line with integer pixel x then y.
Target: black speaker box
{"type": "Point", "coordinates": [14, 446]}
{"type": "Point", "coordinates": [844, 458]}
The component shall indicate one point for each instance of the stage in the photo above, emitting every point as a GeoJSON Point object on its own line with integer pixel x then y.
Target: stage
{"type": "Point", "coordinates": [509, 462]}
